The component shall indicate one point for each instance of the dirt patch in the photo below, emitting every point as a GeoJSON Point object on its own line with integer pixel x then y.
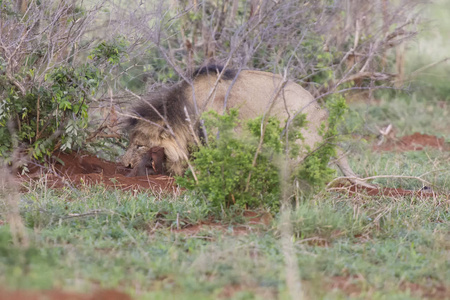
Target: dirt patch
{"type": "Point", "coordinates": [426, 292]}
{"type": "Point", "coordinates": [414, 142]}
{"type": "Point", "coordinates": [353, 286]}
{"type": "Point", "coordinates": [203, 227]}
{"type": "Point", "coordinates": [61, 295]}
{"type": "Point", "coordinates": [79, 169]}
{"type": "Point", "coordinates": [349, 285]}
{"type": "Point", "coordinates": [231, 291]}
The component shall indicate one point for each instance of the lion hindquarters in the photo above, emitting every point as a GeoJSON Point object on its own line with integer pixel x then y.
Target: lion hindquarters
{"type": "Point", "coordinates": [257, 93]}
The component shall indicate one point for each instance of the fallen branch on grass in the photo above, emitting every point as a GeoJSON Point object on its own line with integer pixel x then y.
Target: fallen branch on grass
{"type": "Point", "coordinates": [425, 182]}
{"type": "Point", "coordinates": [90, 213]}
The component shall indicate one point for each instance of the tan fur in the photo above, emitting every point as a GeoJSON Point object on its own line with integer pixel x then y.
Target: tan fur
{"type": "Point", "coordinates": [148, 136]}
{"type": "Point", "coordinates": [251, 94]}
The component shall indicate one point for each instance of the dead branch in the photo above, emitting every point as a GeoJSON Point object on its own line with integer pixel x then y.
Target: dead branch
{"type": "Point", "coordinates": [382, 176]}
{"type": "Point", "coordinates": [420, 70]}
{"type": "Point", "coordinates": [368, 75]}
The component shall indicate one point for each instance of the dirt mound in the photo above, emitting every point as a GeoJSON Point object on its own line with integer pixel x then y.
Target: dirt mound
{"type": "Point", "coordinates": [414, 142]}
{"type": "Point", "coordinates": [78, 169]}
{"type": "Point", "coordinates": [61, 295]}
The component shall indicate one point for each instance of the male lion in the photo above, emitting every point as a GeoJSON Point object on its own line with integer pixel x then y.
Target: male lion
{"type": "Point", "coordinates": [168, 117]}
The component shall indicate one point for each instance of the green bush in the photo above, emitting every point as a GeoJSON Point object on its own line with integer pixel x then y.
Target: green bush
{"type": "Point", "coordinates": [226, 175]}
{"type": "Point", "coordinates": [223, 167]}
{"type": "Point", "coordinates": [52, 114]}
{"type": "Point", "coordinates": [314, 170]}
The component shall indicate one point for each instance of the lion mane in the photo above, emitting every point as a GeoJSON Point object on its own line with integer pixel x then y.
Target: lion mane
{"type": "Point", "coordinates": [168, 117]}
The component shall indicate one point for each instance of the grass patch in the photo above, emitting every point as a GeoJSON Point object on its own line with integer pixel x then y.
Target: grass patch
{"type": "Point", "coordinates": [407, 114]}
{"type": "Point", "coordinates": [98, 206]}
{"type": "Point", "coordinates": [382, 241]}
{"type": "Point", "coordinates": [430, 165]}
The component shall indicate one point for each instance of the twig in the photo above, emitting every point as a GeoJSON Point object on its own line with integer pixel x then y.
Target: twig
{"type": "Point", "coordinates": [292, 272]}
{"type": "Point", "coordinates": [91, 213]}
{"type": "Point", "coordinates": [208, 99]}
{"type": "Point", "coordinates": [37, 117]}
{"type": "Point", "coordinates": [371, 75]}
{"type": "Point", "coordinates": [357, 30]}
{"type": "Point", "coordinates": [416, 72]}
{"type": "Point", "coordinates": [188, 119]}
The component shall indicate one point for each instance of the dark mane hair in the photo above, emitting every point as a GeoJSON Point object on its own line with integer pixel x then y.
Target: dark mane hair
{"type": "Point", "coordinates": [229, 74]}
{"type": "Point", "coordinates": [166, 102]}
{"type": "Point", "coordinates": [170, 102]}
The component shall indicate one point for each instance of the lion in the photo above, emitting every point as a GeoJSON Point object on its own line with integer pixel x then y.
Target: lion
{"type": "Point", "coordinates": [168, 118]}
{"type": "Point", "coordinates": [151, 163]}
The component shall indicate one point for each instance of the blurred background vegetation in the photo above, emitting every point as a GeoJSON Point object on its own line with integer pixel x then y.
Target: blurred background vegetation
{"type": "Point", "coordinates": [59, 60]}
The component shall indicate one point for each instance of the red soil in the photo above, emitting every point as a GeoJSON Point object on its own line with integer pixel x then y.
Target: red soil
{"type": "Point", "coordinates": [60, 295]}
{"type": "Point", "coordinates": [353, 286]}
{"type": "Point", "coordinates": [414, 142]}
{"type": "Point", "coordinates": [75, 169]}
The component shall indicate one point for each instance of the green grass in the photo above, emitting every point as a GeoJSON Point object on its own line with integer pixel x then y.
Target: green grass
{"type": "Point", "coordinates": [127, 242]}
{"type": "Point", "coordinates": [407, 114]}
{"type": "Point", "coordinates": [431, 167]}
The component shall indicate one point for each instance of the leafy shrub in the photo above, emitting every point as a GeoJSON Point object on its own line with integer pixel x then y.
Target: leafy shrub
{"type": "Point", "coordinates": [223, 167]}
{"type": "Point", "coordinates": [56, 108]}
{"type": "Point", "coordinates": [315, 170]}
{"type": "Point", "coordinates": [225, 170]}
{"type": "Point", "coordinates": [110, 52]}
{"type": "Point", "coordinates": [51, 114]}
